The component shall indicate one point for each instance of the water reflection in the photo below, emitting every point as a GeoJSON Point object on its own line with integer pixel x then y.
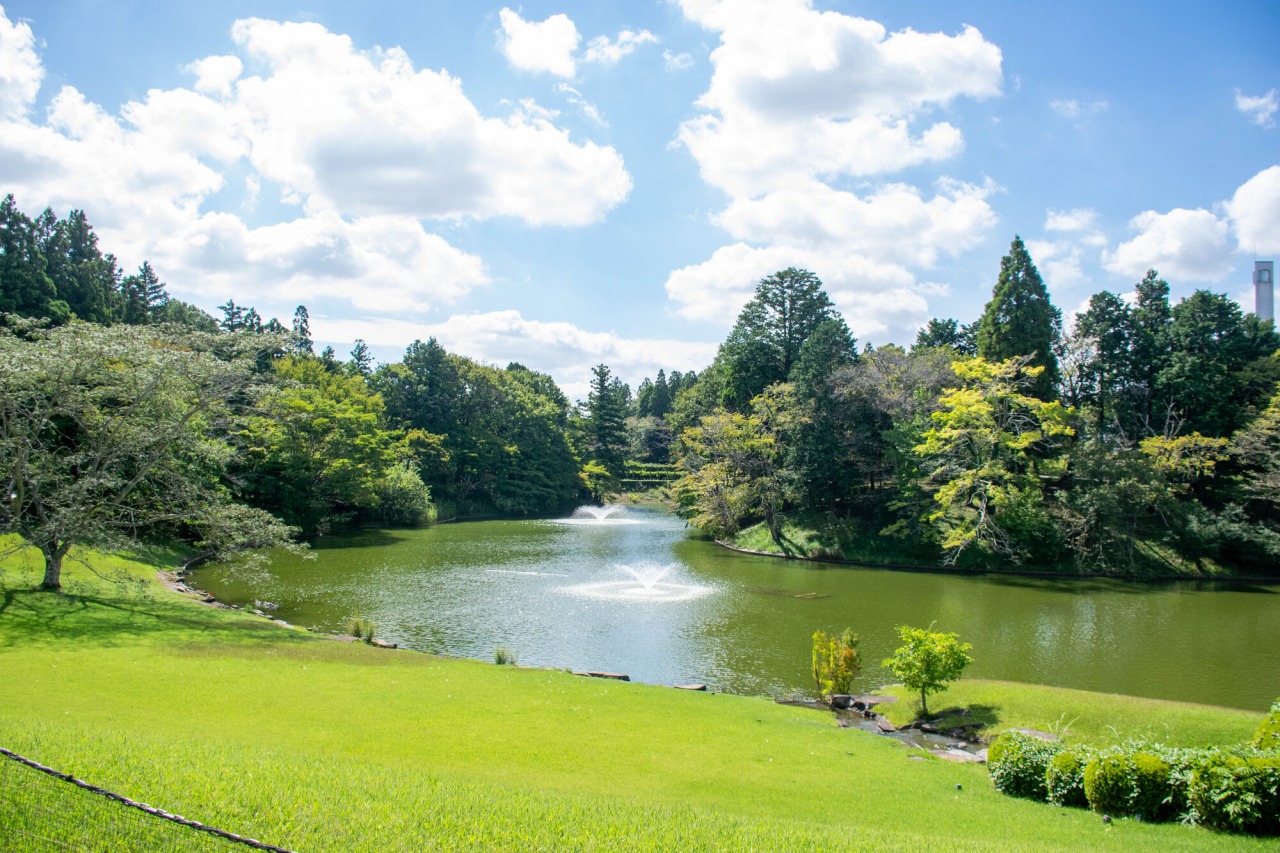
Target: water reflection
{"type": "Point", "coordinates": [647, 598]}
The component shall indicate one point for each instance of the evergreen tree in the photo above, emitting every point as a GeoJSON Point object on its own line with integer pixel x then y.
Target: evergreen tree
{"type": "Point", "coordinates": [946, 333]}
{"type": "Point", "coordinates": [25, 286]}
{"type": "Point", "coordinates": [300, 337]}
{"type": "Point", "coordinates": [1021, 321]}
{"type": "Point", "coordinates": [644, 399]}
{"type": "Point", "coordinates": [361, 359]}
{"type": "Point", "coordinates": [606, 416]}
{"type": "Point", "coordinates": [661, 396]}
{"type": "Point", "coordinates": [84, 278]}
{"type": "Point", "coordinates": [766, 340]}
{"type": "Point", "coordinates": [1107, 328]}
{"type": "Point", "coordinates": [232, 317]}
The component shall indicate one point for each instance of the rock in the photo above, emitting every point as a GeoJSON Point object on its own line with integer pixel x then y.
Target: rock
{"type": "Point", "coordinates": [981, 755]}
{"type": "Point", "coordinates": [959, 756]}
{"type": "Point", "coordinates": [930, 728]}
{"type": "Point", "coordinates": [1037, 733]}
{"type": "Point", "coordinates": [885, 726]}
{"type": "Point", "coordinates": [383, 644]}
{"type": "Point", "coordinates": [702, 687]}
{"type": "Point", "coordinates": [593, 674]}
{"type": "Point", "coordinates": [842, 702]}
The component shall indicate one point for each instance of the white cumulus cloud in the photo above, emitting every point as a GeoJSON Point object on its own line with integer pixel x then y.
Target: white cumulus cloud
{"type": "Point", "coordinates": [20, 68]}
{"type": "Point", "coordinates": [802, 101]}
{"type": "Point", "coordinates": [365, 145]}
{"type": "Point", "coordinates": [546, 46]}
{"type": "Point", "coordinates": [1255, 212]}
{"type": "Point", "coordinates": [1181, 244]}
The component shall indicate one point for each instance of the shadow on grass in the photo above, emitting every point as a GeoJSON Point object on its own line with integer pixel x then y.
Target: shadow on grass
{"type": "Point", "coordinates": [38, 617]}
{"type": "Point", "coordinates": [954, 716]}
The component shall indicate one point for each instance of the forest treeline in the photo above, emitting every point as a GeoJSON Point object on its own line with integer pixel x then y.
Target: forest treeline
{"type": "Point", "coordinates": [1141, 438]}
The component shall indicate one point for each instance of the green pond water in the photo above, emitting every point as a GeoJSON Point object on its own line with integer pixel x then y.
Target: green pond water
{"type": "Point", "coordinates": [638, 593]}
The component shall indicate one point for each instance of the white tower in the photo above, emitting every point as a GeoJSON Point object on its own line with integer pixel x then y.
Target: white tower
{"type": "Point", "coordinates": [1264, 274]}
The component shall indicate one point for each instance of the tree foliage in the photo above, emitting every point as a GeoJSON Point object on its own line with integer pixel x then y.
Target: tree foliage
{"type": "Point", "coordinates": [1020, 321]}
{"type": "Point", "coordinates": [836, 662]}
{"type": "Point", "coordinates": [990, 444]}
{"type": "Point", "coordinates": [110, 435]}
{"type": "Point", "coordinates": [927, 660]}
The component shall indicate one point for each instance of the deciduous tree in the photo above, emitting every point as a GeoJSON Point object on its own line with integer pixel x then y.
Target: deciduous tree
{"type": "Point", "coordinates": [111, 434]}
{"type": "Point", "coordinates": [927, 661]}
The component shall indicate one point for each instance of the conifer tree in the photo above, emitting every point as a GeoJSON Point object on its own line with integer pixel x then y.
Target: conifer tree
{"type": "Point", "coordinates": [1021, 321]}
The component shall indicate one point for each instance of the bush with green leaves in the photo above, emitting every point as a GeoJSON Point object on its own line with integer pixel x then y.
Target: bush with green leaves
{"type": "Point", "coordinates": [1268, 734]}
{"type": "Point", "coordinates": [1064, 777]}
{"type": "Point", "coordinates": [1234, 793]}
{"type": "Point", "coordinates": [927, 660]}
{"type": "Point", "coordinates": [835, 661]}
{"type": "Point", "coordinates": [1018, 764]}
{"type": "Point", "coordinates": [1126, 782]}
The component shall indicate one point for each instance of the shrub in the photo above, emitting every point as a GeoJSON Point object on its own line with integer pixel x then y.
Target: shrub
{"type": "Point", "coordinates": [1064, 777]}
{"type": "Point", "coordinates": [1018, 764]}
{"type": "Point", "coordinates": [1237, 794]}
{"type": "Point", "coordinates": [835, 661]}
{"type": "Point", "coordinates": [1127, 782]}
{"type": "Point", "coordinates": [504, 656]}
{"type": "Point", "coordinates": [1268, 734]}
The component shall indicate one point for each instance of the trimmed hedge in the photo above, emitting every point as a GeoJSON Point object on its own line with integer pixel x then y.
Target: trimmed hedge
{"type": "Point", "coordinates": [1125, 783]}
{"type": "Point", "coordinates": [1018, 763]}
{"type": "Point", "coordinates": [1064, 777]}
{"type": "Point", "coordinates": [1230, 789]}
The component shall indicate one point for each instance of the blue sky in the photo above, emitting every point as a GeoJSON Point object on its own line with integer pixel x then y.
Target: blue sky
{"type": "Point", "coordinates": [569, 183]}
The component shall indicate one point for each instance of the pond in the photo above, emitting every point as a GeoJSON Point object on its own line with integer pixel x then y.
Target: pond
{"type": "Point", "coordinates": [637, 593]}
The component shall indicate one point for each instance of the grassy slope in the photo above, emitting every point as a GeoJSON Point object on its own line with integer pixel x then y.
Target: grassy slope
{"type": "Point", "coordinates": [322, 745]}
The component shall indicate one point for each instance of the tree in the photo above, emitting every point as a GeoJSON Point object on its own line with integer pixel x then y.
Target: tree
{"type": "Point", "coordinates": [989, 443]}
{"type": "Point", "coordinates": [361, 359]}
{"type": "Point", "coordinates": [108, 435]}
{"type": "Point", "coordinates": [835, 661]}
{"type": "Point", "coordinates": [300, 337]}
{"type": "Point", "coordinates": [25, 286]}
{"type": "Point", "coordinates": [735, 467]}
{"type": "Point", "coordinates": [661, 395]}
{"type": "Point", "coordinates": [318, 449]}
{"type": "Point", "coordinates": [927, 660]}
{"type": "Point", "coordinates": [85, 279]}
{"type": "Point", "coordinates": [1021, 321]}
{"type": "Point", "coordinates": [606, 421]}
{"type": "Point", "coordinates": [143, 296]}
{"type": "Point", "coordinates": [1108, 370]}
{"type": "Point", "coordinates": [765, 343]}
{"type": "Point", "coordinates": [946, 333]}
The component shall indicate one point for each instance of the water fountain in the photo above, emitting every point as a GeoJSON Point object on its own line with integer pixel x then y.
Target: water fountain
{"type": "Point", "coordinates": [612, 514]}
{"type": "Point", "coordinates": [646, 582]}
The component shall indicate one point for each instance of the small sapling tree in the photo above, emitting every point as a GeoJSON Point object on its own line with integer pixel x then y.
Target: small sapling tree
{"type": "Point", "coordinates": [835, 661]}
{"type": "Point", "coordinates": [927, 660]}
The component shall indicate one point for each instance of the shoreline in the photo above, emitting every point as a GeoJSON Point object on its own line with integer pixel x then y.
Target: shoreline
{"type": "Point", "coordinates": [1030, 573]}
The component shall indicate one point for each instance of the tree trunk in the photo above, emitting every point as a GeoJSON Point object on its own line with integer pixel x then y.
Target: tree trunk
{"type": "Point", "coordinates": [53, 554]}
{"type": "Point", "coordinates": [924, 708]}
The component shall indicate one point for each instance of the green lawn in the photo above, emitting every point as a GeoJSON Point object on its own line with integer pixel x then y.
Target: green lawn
{"type": "Point", "coordinates": [322, 745]}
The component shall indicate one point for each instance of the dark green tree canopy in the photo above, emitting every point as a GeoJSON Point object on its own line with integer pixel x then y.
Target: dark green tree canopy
{"type": "Point", "coordinates": [765, 342]}
{"type": "Point", "coordinates": [1021, 321]}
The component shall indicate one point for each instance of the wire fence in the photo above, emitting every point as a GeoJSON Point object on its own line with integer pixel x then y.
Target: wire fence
{"type": "Point", "coordinates": [44, 810]}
